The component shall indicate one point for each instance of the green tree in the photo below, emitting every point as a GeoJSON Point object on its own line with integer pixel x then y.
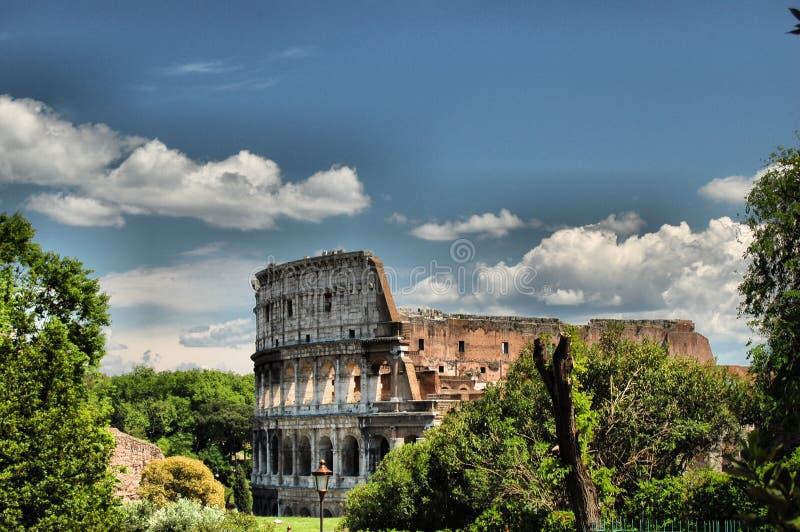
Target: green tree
{"type": "Point", "coordinates": [642, 414]}
{"type": "Point", "coordinates": [771, 290]}
{"type": "Point", "coordinates": [54, 448]}
{"type": "Point", "coordinates": [242, 496]}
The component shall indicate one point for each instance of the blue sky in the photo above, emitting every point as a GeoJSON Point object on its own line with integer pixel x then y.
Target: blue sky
{"type": "Point", "coordinates": [600, 152]}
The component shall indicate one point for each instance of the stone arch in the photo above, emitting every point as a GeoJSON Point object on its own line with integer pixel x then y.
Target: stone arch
{"type": "Point", "coordinates": [327, 383]}
{"type": "Point", "coordinates": [304, 456]}
{"type": "Point", "coordinates": [463, 388]}
{"type": "Point", "coordinates": [304, 512]}
{"type": "Point", "coordinates": [378, 449]}
{"type": "Point", "coordinates": [288, 455]}
{"type": "Point", "coordinates": [275, 388]}
{"type": "Point", "coordinates": [288, 384]}
{"type": "Point", "coordinates": [350, 457]}
{"type": "Point", "coordinates": [264, 448]}
{"type": "Point", "coordinates": [274, 454]}
{"type": "Point", "coordinates": [381, 374]}
{"type": "Point", "coordinates": [287, 511]}
{"type": "Point", "coordinates": [353, 372]}
{"type": "Point", "coordinates": [306, 383]}
{"type": "Point", "coordinates": [325, 450]}
{"type": "Point", "coordinates": [327, 513]}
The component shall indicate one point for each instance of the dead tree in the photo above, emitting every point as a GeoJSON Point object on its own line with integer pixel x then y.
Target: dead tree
{"type": "Point", "coordinates": [557, 376]}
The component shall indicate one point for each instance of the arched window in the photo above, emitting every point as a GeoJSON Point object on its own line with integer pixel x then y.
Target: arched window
{"type": "Point", "coordinates": [382, 373]}
{"type": "Point", "coordinates": [353, 382]}
{"type": "Point", "coordinates": [378, 449]}
{"type": "Point", "coordinates": [350, 457]}
{"type": "Point", "coordinates": [288, 455]}
{"type": "Point", "coordinates": [306, 383]}
{"type": "Point", "coordinates": [327, 381]}
{"type": "Point", "coordinates": [275, 388]}
{"type": "Point", "coordinates": [273, 454]}
{"type": "Point", "coordinates": [325, 449]}
{"type": "Point", "coordinates": [304, 457]}
{"type": "Point", "coordinates": [288, 385]}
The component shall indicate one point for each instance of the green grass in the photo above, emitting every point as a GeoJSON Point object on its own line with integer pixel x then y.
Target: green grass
{"type": "Point", "coordinates": [302, 524]}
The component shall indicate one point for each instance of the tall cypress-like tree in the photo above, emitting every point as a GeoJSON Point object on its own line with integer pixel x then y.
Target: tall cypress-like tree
{"type": "Point", "coordinates": [54, 448]}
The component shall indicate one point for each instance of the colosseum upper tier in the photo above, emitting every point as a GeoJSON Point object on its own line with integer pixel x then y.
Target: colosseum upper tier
{"type": "Point", "coordinates": [343, 375]}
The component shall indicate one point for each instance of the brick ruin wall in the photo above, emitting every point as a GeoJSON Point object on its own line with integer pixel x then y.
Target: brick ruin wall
{"type": "Point", "coordinates": [129, 458]}
{"type": "Point", "coordinates": [447, 349]}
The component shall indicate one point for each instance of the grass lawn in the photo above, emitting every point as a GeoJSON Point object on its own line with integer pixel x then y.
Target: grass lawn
{"type": "Point", "coordinates": [302, 524]}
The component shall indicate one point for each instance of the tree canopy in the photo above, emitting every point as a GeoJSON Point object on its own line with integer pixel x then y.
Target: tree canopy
{"type": "Point", "coordinates": [54, 448]}
{"type": "Point", "coordinates": [197, 413]}
{"type": "Point", "coordinates": [771, 290]}
{"type": "Point", "coordinates": [642, 414]}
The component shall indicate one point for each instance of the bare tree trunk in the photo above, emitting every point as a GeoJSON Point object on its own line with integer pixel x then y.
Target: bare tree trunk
{"type": "Point", "coordinates": [556, 375]}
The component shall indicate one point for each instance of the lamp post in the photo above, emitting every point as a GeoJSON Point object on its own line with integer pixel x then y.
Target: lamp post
{"type": "Point", "coordinates": [321, 477]}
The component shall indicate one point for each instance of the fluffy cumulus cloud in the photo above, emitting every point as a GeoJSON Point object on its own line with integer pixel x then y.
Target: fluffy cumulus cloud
{"type": "Point", "coordinates": [482, 225]}
{"type": "Point", "coordinates": [625, 224]}
{"type": "Point", "coordinates": [731, 189]}
{"type": "Point", "coordinates": [100, 176]}
{"type": "Point", "coordinates": [592, 271]}
{"type": "Point", "coordinates": [232, 333]}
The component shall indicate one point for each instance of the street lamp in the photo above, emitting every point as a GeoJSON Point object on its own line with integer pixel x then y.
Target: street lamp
{"type": "Point", "coordinates": [321, 477]}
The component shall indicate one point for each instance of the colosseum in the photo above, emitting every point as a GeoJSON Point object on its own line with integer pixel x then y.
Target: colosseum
{"type": "Point", "coordinates": [345, 376]}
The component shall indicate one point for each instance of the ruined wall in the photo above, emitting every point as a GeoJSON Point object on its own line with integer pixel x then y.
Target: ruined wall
{"type": "Point", "coordinates": [129, 458]}
{"type": "Point", "coordinates": [678, 336]}
{"type": "Point", "coordinates": [482, 348]}
{"type": "Point", "coordinates": [490, 343]}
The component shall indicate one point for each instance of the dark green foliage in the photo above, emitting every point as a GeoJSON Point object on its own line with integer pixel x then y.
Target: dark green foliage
{"type": "Point", "coordinates": [771, 291]}
{"type": "Point", "coordinates": [54, 448]}
{"type": "Point", "coordinates": [196, 413]}
{"type": "Point", "coordinates": [642, 415]}
{"type": "Point", "coordinates": [770, 480]}
{"type": "Point", "coordinates": [658, 412]}
{"type": "Point", "coordinates": [242, 496]}
{"type": "Point", "coordinates": [696, 495]}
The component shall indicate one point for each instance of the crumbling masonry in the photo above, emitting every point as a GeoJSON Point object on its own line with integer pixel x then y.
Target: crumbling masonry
{"type": "Point", "coordinates": [342, 375]}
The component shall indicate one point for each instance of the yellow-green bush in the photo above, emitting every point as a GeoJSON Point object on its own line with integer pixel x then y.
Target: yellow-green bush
{"type": "Point", "coordinates": [164, 481]}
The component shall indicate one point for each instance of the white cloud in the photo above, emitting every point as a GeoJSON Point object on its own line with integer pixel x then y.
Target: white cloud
{"type": "Point", "coordinates": [731, 189]}
{"type": "Point", "coordinates": [200, 286]}
{"type": "Point", "coordinates": [673, 272]}
{"type": "Point", "coordinates": [74, 210]}
{"type": "Point", "coordinates": [483, 225]}
{"type": "Point", "coordinates": [117, 175]}
{"type": "Point", "coordinates": [292, 53]}
{"type": "Point", "coordinates": [397, 218]}
{"type": "Point", "coordinates": [564, 297]}
{"type": "Point", "coordinates": [624, 224]}
{"type": "Point", "coordinates": [203, 251]}
{"type": "Point", "coordinates": [201, 67]}
{"type": "Point", "coordinates": [248, 84]}
{"type": "Point", "coordinates": [232, 333]}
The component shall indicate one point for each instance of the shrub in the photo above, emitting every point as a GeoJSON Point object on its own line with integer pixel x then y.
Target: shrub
{"type": "Point", "coordinates": [187, 516]}
{"type": "Point", "coordinates": [136, 516]}
{"type": "Point", "coordinates": [559, 521]}
{"type": "Point", "coordinates": [165, 481]}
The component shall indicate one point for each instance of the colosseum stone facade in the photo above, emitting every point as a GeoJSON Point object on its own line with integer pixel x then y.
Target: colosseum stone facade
{"type": "Point", "coordinates": [343, 375]}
